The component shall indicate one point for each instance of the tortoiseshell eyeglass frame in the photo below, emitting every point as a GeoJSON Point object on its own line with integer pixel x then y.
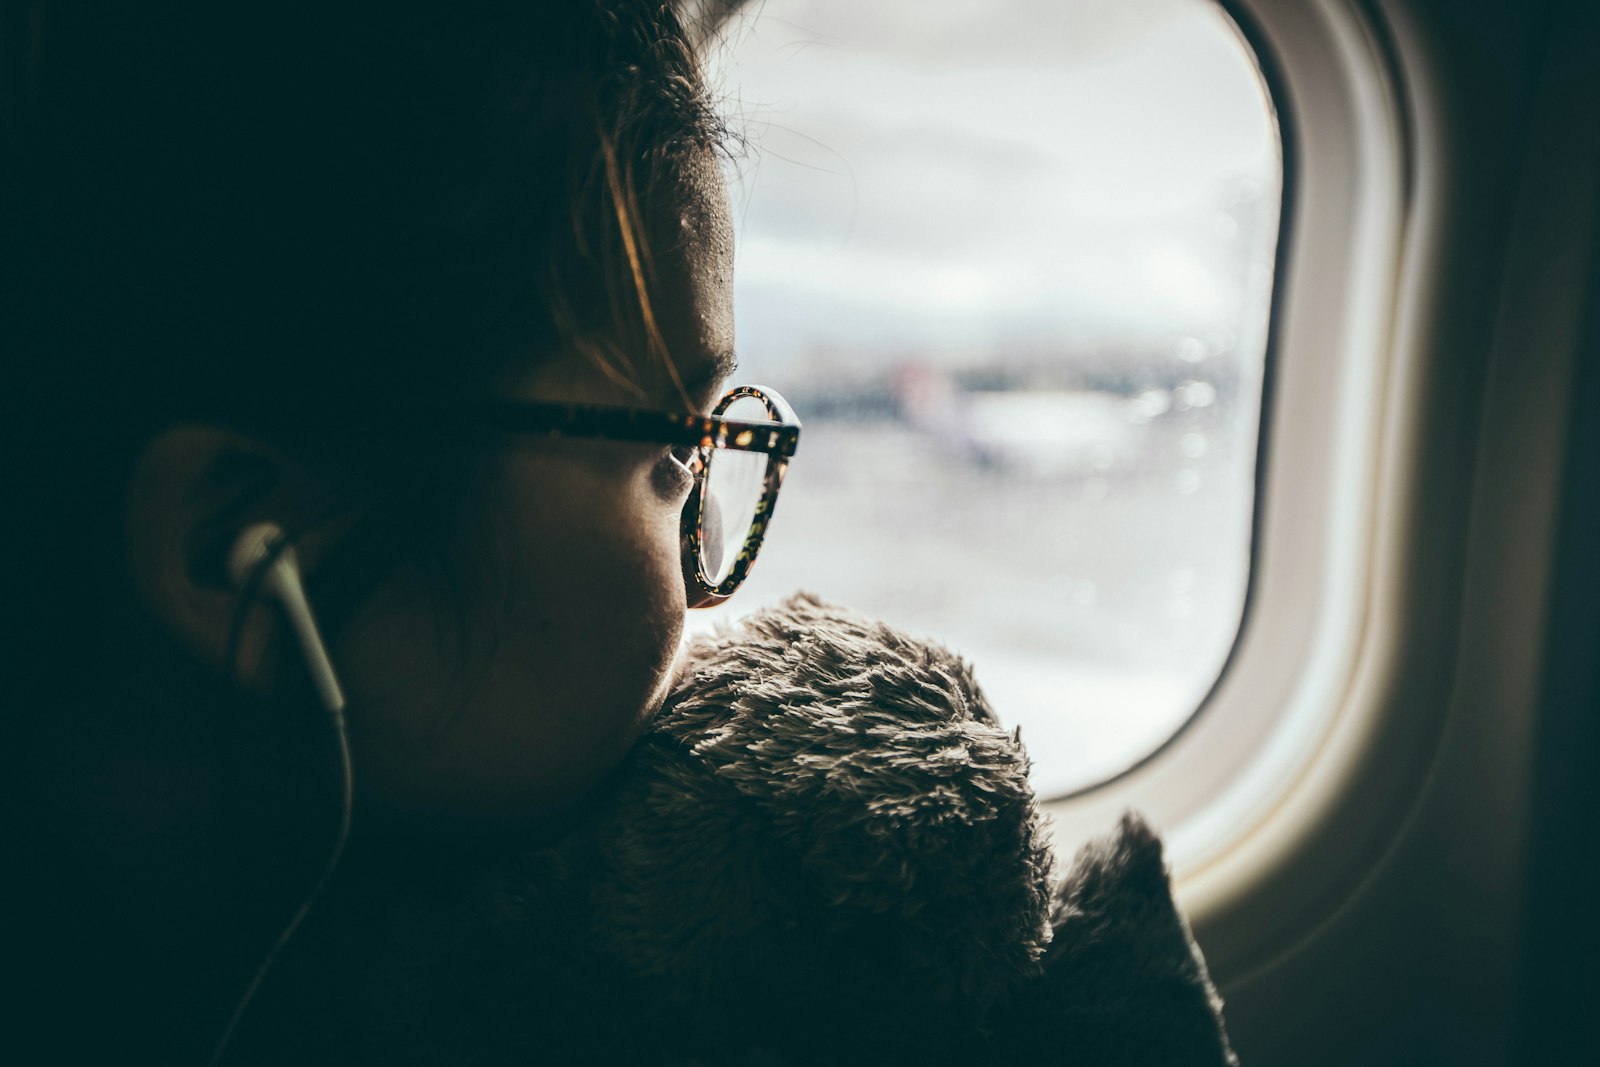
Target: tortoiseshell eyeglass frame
{"type": "Point", "coordinates": [777, 438]}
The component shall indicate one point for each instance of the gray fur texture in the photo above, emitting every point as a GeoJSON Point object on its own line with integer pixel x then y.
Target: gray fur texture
{"type": "Point", "coordinates": [826, 850]}
{"type": "Point", "coordinates": [1125, 984]}
{"type": "Point", "coordinates": [827, 812]}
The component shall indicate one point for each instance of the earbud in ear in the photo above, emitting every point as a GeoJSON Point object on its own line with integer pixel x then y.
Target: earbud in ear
{"type": "Point", "coordinates": [262, 554]}
{"type": "Point", "coordinates": [262, 550]}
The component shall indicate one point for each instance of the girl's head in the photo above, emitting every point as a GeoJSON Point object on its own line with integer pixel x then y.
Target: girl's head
{"type": "Point", "coordinates": [264, 263]}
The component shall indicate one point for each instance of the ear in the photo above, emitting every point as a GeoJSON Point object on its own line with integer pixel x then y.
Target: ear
{"type": "Point", "coordinates": [192, 492]}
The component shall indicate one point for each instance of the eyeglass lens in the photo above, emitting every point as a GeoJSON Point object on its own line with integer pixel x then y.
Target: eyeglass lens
{"type": "Point", "coordinates": [734, 484]}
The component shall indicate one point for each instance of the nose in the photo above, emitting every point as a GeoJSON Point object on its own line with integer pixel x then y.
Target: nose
{"type": "Point", "coordinates": [707, 559]}
{"type": "Point", "coordinates": [711, 538]}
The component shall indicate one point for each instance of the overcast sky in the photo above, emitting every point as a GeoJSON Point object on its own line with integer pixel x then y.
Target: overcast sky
{"type": "Point", "coordinates": [945, 169]}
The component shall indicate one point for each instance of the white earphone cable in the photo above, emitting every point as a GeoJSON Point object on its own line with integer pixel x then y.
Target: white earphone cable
{"type": "Point", "coordinates": [264, 552]}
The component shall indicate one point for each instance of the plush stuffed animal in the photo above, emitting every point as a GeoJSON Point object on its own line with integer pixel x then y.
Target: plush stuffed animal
{"type": "Point", "coordinates": [825, 850]}
{"type": "Point", "coordinates": [827, 831]}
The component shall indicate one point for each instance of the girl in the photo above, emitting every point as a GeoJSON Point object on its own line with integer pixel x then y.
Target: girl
{"type": "Point", "coordinates": [345, 275]}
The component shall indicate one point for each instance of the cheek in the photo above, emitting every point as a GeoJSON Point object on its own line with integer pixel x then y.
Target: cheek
{"type": "Point", "coordinates": [598, 598]}
{"type": "Point", "coordinates": [572, 612]}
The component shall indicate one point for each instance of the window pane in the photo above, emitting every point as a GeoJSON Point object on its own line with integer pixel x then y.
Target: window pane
{"type": "Point", "coordinates": [1012, 264]}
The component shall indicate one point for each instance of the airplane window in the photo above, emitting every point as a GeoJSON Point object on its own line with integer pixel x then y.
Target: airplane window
{"type": "Point", "coordinates": [1012, 264]}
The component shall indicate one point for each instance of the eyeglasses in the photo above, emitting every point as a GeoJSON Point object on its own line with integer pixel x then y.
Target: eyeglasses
{"type": "Point", "coordinates": [738, 455]}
